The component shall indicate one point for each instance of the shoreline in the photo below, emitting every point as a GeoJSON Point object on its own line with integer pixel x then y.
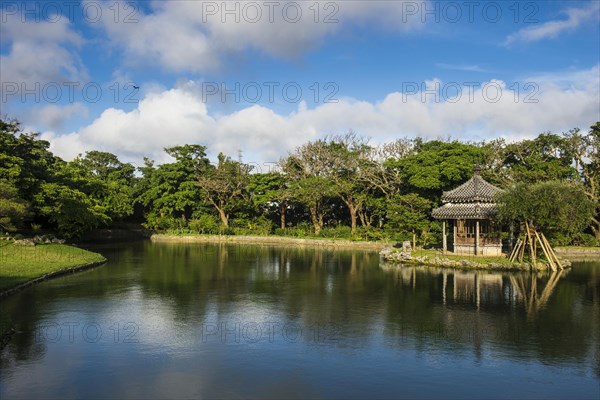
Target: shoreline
{"type": "Point", "coordinates": [398, 257]}
{"type": "Point", "coordinates": [70, 270]}
{"type": "Point", "coordinates": [273, 240]}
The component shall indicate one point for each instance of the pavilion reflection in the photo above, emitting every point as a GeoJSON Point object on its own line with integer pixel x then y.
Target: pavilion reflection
{"type": "Point", "coordinates": [484, 288]}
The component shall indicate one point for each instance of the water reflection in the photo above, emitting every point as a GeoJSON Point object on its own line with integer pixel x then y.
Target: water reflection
{"type": "Point", "coordinates": [258, 311]}
{"type": "Point", "coordinates": [532, 290]}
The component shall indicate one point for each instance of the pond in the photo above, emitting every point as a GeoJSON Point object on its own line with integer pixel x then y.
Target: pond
{"type": "Point", "coordinates": [164, 320]}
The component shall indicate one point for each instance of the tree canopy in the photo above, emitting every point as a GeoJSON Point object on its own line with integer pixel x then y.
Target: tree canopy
{"type": "Point", "coordinates": [339, 186]}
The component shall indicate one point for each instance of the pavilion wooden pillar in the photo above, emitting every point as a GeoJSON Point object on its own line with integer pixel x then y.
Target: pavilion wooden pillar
{"type": "Point", "coordinates": [477, 237]}
{"type": "Point", "coordinates": [455, 231]}
{"type": "Point", "coordinates": [444, 237]}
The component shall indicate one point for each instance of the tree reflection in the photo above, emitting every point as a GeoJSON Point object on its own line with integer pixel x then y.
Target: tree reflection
{"type": "Point", "coordinates": [551, 317]}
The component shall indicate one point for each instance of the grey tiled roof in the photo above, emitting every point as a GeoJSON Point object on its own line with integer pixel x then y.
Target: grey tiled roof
{"type": "Point", "coordinates": [475, 189]}
{"type": "Point", "coordinates": [465, 211]}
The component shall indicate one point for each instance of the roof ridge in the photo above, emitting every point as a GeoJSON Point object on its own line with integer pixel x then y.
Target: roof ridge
{"type": "Point", "coordinates": [476, 189]}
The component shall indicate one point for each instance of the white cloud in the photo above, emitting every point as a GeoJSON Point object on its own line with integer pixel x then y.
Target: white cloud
{"type": "Point", "coordinates": [551, 29]}
{"type": "Point", "coordinates": [54, 116]}
{"type": "Point", "coordinates": [178, 116]}
{"type": "Point", "coordinates": [39, 52]}
{"type": "Point", "coordinates": [197, 35]}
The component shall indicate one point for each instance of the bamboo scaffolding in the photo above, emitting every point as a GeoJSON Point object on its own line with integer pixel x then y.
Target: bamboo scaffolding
{"type": "Point", "coordinates": [534, 240]}
{"type": "Point", "coordinates": [515, 250]}
{"type": "Point", "coordinates": [548, 257]}
{"type": "Point", "coordinates": [552, 251]}
{"type": "Point", "coordinates": [531, 249]}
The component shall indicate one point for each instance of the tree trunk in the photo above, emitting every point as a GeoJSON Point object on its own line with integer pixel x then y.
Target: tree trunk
{"type": "Point", "coordinates": [414, 240]}
{"type": "Point", "coordinates": [363, 218]}
{"type": "Point", "coordinates": [353, 210]}
{"type": "Point", "coordinates": [282, 208]}
{"type": "Point", "coordinates": [224, 217]}
{"type": "Point", "coordinates": [352, 218]}
{"type": "Point", "coordinates": [317, 219]}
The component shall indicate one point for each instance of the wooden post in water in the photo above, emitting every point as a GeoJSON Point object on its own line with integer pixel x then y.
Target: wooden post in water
{"type": "Point", "coordinates": [444, 238]}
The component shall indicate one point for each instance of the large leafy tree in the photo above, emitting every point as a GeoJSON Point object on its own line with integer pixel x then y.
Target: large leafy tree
{"type": "Point", "coordinates": [547, 157]}
{"type": "Point", "coordinates": [408, 213]}
{"type": "Point", "coordinates": [13, 210]}
{"type": "Point", "coordinates": [556, 207]}
{"type": "Point", "coordinates": [585, 150]}
{"type": "Point", "coordinates": [170, 190]}
{"type": "Point", "coordinates": [338, 166]}
{"type": "Point", "coordinates": [106, 179]}
{"type": "Point", "coordinates": [224, 186]}
{"type": "Point", "coordinates": [30, 171]}
{"type": "Point", "coordinates": [271, 194]}
{"type": "Point", "coordinates": [307, 175]}
{"type": "Point", "coordinates": [71, 211]}
{"type": "Point", "coordinates": [436, 166]}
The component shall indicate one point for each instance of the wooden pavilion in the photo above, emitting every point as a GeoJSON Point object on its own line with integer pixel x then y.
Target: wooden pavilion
{"type": "Point", "coordinates": [469, 210]}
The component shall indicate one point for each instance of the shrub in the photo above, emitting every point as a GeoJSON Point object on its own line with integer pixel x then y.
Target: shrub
{"type": "Point", "coordinates": [340, 232]}
{"type": "Point", "coordinates": [205, 224]}
{"type": "Point", "coordinates": [369, 233]}
{"type": "Point", "coordinates": [584, 239]}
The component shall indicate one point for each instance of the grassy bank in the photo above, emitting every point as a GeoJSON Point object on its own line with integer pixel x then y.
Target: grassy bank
{"type": "Point", "coordinates": [27, 264]}
{"type": "Point", "coordinates": [273, 240]}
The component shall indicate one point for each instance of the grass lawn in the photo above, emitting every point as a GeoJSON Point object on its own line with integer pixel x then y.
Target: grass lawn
{"type": "Point", "coordinates": [19, 264]}
{"type": "Point", "coordinates": [458, 257]}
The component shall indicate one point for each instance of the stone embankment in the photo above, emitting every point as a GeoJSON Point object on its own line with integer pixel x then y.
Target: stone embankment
{"type": "Point", "coordinates": [406, 257]}
{"type": "Point", "coordinates": [272, 240]}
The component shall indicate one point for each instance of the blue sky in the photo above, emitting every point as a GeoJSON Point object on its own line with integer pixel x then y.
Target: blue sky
{"type": "Point", "coordinates": [294, 71]}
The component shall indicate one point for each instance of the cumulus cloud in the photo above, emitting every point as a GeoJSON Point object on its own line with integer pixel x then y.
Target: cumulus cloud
{"type": "Point", "coordinates": [54, 116]}
{"type": "Point", "coordinates": [39, 51]}
{"type": "Point", "coordinates": [178, 116]}
{"type": "Point", "coordinates": [197, 35]}
{"type": "Point", "coordinates": [551, 29]}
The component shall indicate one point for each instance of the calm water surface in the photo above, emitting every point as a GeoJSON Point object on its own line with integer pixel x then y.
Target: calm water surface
{"type": "Point", "coordinates": [239, 321]}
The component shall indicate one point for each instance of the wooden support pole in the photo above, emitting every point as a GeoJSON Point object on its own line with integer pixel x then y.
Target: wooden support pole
{"type": "Point", "coordinates": [515, 250]}
{"type": "Point", "coordinates": [522, 249]}
{"type": "Point", "coordinates": [530, 245]}
{"type": "Point", "coordinates": [444, 238]}
{"type": "Point", "coordinates": [548, 256]}
{"type": "Point", "coordinates": [552, 251]}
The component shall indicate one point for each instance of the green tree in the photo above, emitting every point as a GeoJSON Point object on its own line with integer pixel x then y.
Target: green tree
{"type": "Point", "coordinates": [224, 186]}
{"type": "Point", "coordinates": [436, 166]}
{"type": "Point", "coordinates": [72, 212]}
{"type": "Point", "coordinates": [13, 210]}
{"type": "Point", "coordinates": [271, 195]}
{"type": "Point", "coordinates": [547, 157]}
{"type": "Point", "coordinates": [409, 213]}
{"type": "Point", "coordinates": [103, 177]}
{"type": "Point", "coordinates": [338, 165]}
{"type": "Point", "coordinates": [585, 150]}
{"type": "Point", "coordinates": [556, 207]}
{"type": "Point", "coordinates": [170, 190]}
